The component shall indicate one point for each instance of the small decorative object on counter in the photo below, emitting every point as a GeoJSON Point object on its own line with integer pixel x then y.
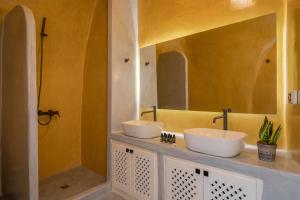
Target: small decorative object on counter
{"type": "Point", "coordinates": [168, 138]}
{"type": "Point", "coordinates": [174, 139]}
{"type": "Point", "coordinates": [267, 143]}
{"type": "Point", "coordinates": [165, 137]}
{"type": "Point", "coordinates": [161, 137]}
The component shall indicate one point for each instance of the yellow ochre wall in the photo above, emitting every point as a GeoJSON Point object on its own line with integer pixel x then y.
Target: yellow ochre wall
{"type": "Point", "coordinates": [293, 72]}
{"type": "Point", "coordinates": [162, 20]}
{"type": "Point", "coordinates": [94, 102]}
{"type": "Point", "coordinates": [68, 28]}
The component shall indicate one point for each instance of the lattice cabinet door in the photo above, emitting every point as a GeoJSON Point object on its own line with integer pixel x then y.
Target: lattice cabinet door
{"type": "Point", "coordinates": [121, 165]}
{"type": "Point", "coordinates": [224, 185]}
{"type": "Point", "coordinates": [183, 180]}
{"type": "Point", "coordinates": [144, 174]}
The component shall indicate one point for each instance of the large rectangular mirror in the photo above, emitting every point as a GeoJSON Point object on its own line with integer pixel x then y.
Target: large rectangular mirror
{"type": "Point", "coordinates": [228, 67]}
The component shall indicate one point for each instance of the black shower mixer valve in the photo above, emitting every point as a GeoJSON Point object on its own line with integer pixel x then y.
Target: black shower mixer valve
{"type": "Point", "coordinates": [49, 113]}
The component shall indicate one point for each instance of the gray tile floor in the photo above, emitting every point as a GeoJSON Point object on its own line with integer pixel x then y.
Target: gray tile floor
{"type": "Point", "coordinates": [109, 196]}
{"type": "Point", "coordinates": [69, 183]}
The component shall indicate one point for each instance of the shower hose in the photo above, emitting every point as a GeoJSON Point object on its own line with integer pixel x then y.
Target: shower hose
{"type": "Point", "coordinates": [43, 34]}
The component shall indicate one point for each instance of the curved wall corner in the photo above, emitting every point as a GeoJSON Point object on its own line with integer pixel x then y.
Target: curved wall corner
{"type": "Point", "coordinates": [19, 106]}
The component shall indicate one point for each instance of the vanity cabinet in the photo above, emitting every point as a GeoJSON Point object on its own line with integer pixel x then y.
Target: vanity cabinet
{"type": "Point", "coordinates": [183, 180]}
{"type": "Point", "coordinates": [134, 171]}
{"type": "Point", "coordinates": [186, 180]}
{"type": "Point", "coordinates": [121, 167]}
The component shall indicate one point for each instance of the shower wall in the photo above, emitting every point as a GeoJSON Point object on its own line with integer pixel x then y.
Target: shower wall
{"type": "Point", "coordinates": [94, 102]}
{"type": "Point", "coordinates": [65, 50]}
{"type": "Point", "coordinates": [18, 103]}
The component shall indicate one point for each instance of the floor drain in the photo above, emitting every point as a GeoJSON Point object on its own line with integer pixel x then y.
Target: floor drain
{"type": "Point", "coordinates": [64, 186]}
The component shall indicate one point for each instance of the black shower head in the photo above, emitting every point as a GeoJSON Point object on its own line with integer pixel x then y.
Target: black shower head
{"type": "Point", "coordinates": [43, 28]}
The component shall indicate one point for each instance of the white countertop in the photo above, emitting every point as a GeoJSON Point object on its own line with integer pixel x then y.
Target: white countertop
{"type": "Point", "coordinates": [284, 162]}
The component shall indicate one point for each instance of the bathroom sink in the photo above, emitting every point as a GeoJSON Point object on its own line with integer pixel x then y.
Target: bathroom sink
{"type": "Point", "coordinates": [215, 142]}
{"type": "Point", "coordinates": [142, 128]}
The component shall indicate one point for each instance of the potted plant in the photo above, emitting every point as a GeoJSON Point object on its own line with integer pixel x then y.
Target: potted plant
{"type": "Point", "coordinates": [267, 143]}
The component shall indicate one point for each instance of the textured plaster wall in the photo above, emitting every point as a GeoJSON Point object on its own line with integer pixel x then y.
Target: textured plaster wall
{"type": "Point", "coordinates": [18, 115]}
{"type": "Point", "coordinates": [123, 74]}
{"type": "Point", "coordinates": [293, 64]}
{"type": "Point", "coordinates": [148, 81]}
{"type": "Point", "coordinates": [94, 105]}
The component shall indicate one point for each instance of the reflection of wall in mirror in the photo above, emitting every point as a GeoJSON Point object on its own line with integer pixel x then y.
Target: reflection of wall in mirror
{"type": "Point", "coordinates": [148, 87]}
{"type": "Point", "coordinates": [232, 66]}
{"type": "Point", "coordinates": [172, 81]}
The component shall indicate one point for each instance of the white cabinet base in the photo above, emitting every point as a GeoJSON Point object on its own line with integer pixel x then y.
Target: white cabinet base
{"type": "Point", "coordinates": [121, 165]}
{"type": "Point", "coordinates": [134, 172]}
{"type": "Point", "coordinates": [181, 180]}
{"type": "Point", "coordinates": [186, 180]}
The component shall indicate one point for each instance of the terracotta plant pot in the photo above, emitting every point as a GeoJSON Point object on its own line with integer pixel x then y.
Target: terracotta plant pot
{"type": "Point", "coordinates": [266, 152]}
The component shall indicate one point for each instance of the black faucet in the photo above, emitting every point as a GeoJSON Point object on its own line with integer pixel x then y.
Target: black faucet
{"type": "Point", "coordinates": [151, 111]}
{"type": "Point", "coordinates": [225, 118]}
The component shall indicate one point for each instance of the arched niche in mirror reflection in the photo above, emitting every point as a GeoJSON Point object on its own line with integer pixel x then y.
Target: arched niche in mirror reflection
{"type": "Point", "coordinates": [172, 81]}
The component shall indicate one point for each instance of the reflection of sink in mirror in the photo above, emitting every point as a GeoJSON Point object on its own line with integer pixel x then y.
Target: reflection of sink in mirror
{"type": "Point", "coordinates": [215, 142]}
{"type": "Point", "coordinates": [142, 128]}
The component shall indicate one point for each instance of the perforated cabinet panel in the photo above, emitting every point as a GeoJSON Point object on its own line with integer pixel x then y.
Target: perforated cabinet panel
{"type": "Point", "coordinates": [121, 167]}
{"type": "Point", "coordinates": [186, 180]}
{"type": "Point", "coordinates": [144, 174]}
{"type": "Point", "coordinates": [181, 180]}
{"type": "Point", "coordinates": [224, 185]}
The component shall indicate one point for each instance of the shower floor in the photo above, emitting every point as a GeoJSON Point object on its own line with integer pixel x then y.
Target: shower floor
{"type": "Point", "coordinates": [109, 196]}
{"type": "Point", "coordinates": [69, 183]}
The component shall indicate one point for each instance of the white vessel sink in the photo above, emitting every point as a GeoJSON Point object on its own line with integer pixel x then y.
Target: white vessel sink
{"type": "Point", "coordinates": [215, 142]}
{"type": "Point", "coordinates": [142, 128]}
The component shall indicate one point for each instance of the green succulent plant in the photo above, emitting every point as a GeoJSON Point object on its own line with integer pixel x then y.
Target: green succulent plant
{"type": "Point", "coordinates": [267, 134]}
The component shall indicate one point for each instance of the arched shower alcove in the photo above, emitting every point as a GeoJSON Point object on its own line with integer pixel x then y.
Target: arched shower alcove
{"type": "Point", "coordinates": [68, 157]}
